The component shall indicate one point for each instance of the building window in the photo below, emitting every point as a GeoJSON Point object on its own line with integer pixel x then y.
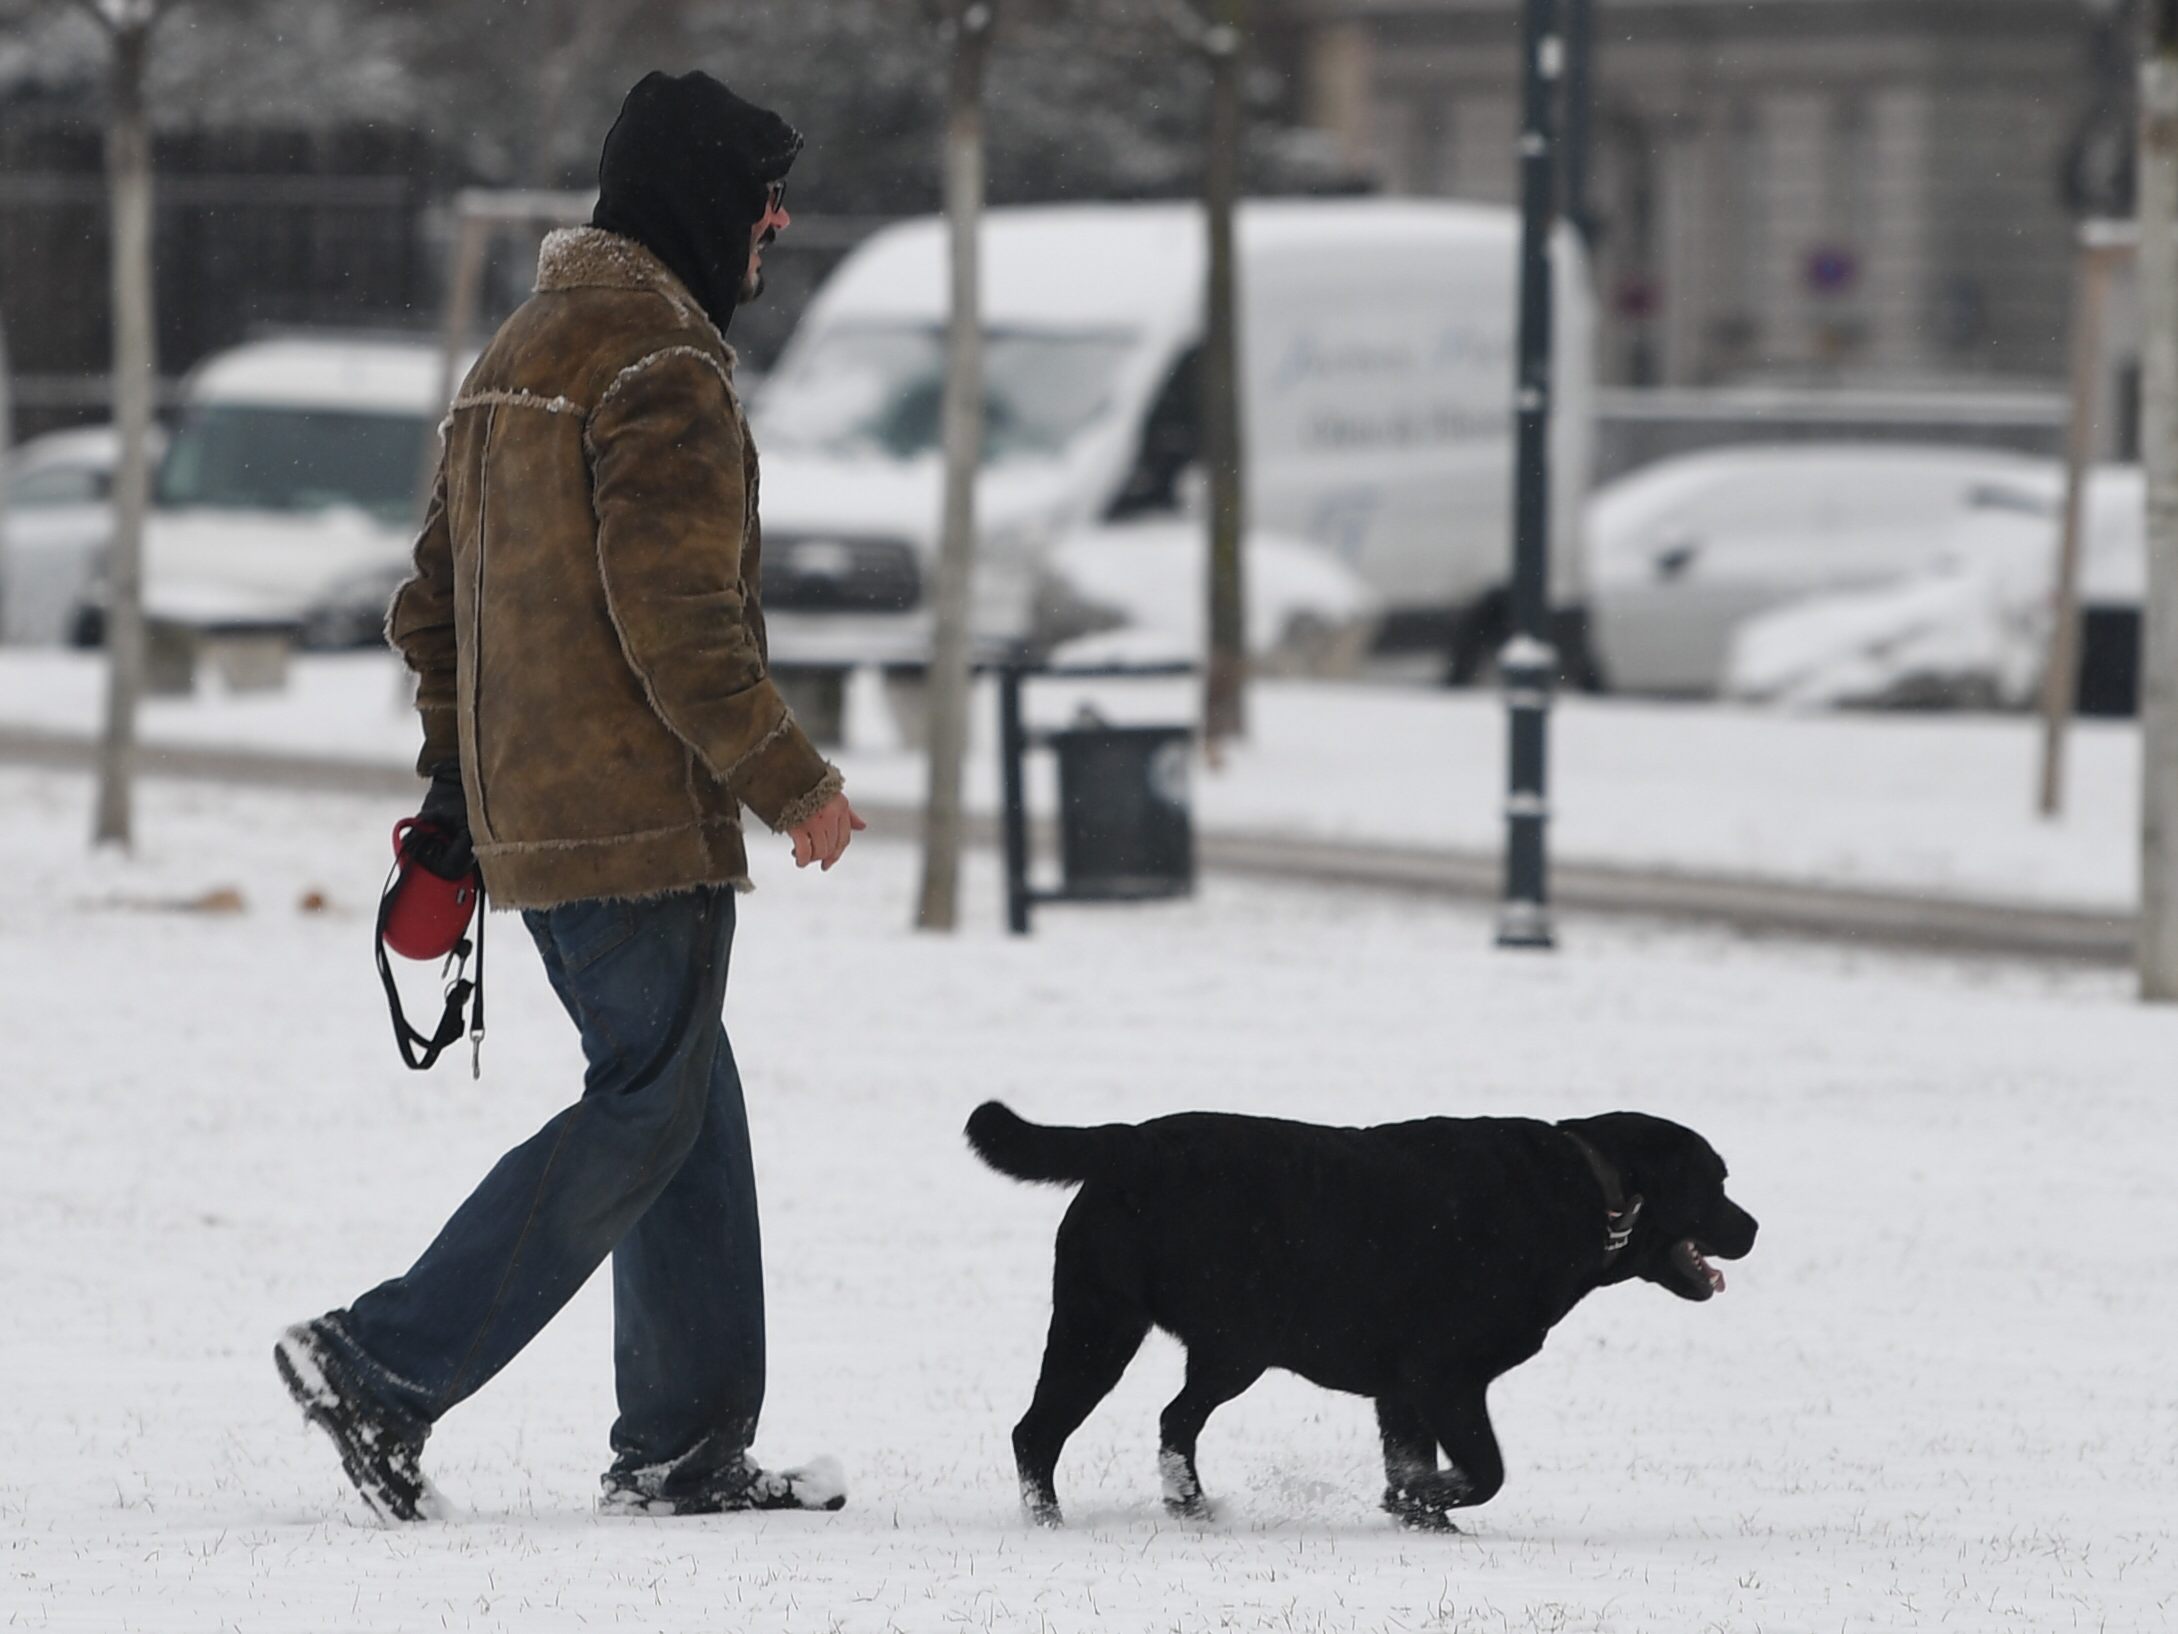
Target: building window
{"type": "Point", "coordinates": [1743, 234]}
{"type": "Point", "coordinates": [1836, 273]}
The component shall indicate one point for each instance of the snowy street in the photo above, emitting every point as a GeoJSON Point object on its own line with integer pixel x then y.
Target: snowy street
{"type": "Point", "coordinates": [1929, 804]}
{"type": "Point", "coordinates": [1938, 1394]}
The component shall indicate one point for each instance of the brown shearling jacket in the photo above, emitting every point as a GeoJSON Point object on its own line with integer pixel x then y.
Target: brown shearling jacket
{"type": "Point", "coordinates": [583, 619]}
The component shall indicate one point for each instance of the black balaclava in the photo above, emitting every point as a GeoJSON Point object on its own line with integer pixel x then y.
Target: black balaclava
{"type": "Point", "coordinates": [684, 172]}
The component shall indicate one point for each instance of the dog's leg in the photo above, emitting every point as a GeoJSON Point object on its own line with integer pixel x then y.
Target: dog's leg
{"type": "Point", "coordinates": [1094, 1335]}
{"type": "Point", "coordinates": [1210, 1384]}
{"type": "Point", "coordinates": [1410, 1460]}
{"type": "Point", "coordinates": [1459, 1419]}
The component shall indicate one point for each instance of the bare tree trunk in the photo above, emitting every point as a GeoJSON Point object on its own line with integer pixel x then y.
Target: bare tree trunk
{"type": "Point", "coordinates": [464, 281]}
{"type": "Point", "coordinates": [2061, 672]}
{"type": "Point", "coordinates": [1224, 713]}
{"type": "Point", "coordinates": [584, 37]}
{"type": "Point", "coordinates": [128, 172]}
{"type": "Point", "coordinates": [969, 27]}
{"type": "Point", "coordinates": [2159, 452]}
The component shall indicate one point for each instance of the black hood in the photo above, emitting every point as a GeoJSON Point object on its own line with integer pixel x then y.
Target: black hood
{"type": "Point", "coordinates": [683, 173]}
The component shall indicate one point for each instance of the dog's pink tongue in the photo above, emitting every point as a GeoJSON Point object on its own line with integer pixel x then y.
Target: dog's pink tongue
{"type": "Point", "coordinates": [1701, 1264]}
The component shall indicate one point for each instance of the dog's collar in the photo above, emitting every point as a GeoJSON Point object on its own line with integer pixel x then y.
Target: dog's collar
{"type": "Point", "coordinates": [1621, 1211]}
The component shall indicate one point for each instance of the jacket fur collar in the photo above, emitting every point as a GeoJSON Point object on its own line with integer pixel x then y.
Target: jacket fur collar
{"type": "Point", "coordinates": [592, 258]}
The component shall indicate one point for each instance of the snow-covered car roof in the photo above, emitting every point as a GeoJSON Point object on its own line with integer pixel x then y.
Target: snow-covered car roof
{"type": "Point", "coordinates": [1668, 479]}
{"type": "Point", "coordinates": [374, 376]}
{"type": "Point", "coordinates": [1630, 500]}
{"type": "Point", "coordinates": [1105, 266]}
{"type": "Point", "coordinates": [95, 446]}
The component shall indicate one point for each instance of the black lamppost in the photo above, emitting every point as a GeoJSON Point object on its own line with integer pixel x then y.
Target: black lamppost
{"type": "Point", "coordinates": [1580, 35]}
{"type": "Point", "coordinates": [1529, 663]}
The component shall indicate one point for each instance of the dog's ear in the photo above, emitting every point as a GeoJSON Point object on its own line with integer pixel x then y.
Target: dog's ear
{"type": "Point", "coordinates": [1666, 1162]}
{"type": "Point", "coordinates": [1628, 1141]}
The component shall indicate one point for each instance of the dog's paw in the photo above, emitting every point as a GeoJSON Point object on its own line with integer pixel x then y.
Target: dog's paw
{"type": "Point", "coordinates": [1182, 1491]}
{"type": "Point", "coordinates": [1041, 1505]}
{"type": "Point", "coordinates": [1416, 1513]}
{"type": "Point", "coordinates": [1425, 1520]}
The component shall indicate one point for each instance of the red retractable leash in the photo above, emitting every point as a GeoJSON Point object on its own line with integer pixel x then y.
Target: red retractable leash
{"type": "Point", "coordinates": [424, 915]}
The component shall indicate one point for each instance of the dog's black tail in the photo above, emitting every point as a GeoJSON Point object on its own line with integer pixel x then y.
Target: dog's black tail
{"type": "Point", "coordinates": [1012, 1145]}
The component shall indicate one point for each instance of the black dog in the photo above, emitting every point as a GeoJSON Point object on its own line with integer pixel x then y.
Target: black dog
{"type": "Point", "coordinates": [1411, 1262]}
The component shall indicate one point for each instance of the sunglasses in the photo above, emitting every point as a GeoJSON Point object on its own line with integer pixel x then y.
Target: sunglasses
{"type": "Point", "coordinates": [774, 197]}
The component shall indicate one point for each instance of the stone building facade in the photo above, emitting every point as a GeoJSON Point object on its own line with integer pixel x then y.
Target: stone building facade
{"type": "Point", "coordinates": [1842, 192]}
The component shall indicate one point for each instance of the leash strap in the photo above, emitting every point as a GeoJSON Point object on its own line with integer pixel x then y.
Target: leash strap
{"type": "Point", "coordinates": [476, 1016]}
{"type": "Point", "coordinates": [422, 1053]}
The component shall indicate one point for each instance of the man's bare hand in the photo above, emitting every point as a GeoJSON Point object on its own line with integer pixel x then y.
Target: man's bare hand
{"type": "Point", "coordinates": [822, 839]}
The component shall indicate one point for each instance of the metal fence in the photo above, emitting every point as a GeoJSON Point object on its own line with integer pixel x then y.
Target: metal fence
{"type": "Point", "coordinates": [253, 229]}
{"type": "Point", "coordinates": [269, 231]}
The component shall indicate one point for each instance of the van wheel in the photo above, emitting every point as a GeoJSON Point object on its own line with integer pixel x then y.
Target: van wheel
{"type": "Point", "coordinates": [1477, 640]}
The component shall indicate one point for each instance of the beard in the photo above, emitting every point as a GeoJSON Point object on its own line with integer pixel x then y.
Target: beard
{"type": "Point", "coordinates": [752, 285]}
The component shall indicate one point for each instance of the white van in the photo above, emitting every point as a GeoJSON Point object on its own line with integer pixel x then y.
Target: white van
{"type": "Point", "coordinates": [1378, 361]}
{"type": "Point", "coordinates": [287, 497]}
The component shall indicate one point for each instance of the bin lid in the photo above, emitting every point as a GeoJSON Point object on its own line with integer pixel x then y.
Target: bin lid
{"type": "Point", "coordinates": [1101, 732]}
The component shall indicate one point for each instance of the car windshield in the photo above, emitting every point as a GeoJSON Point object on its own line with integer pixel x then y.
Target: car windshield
{"type": "Point", "coordinates": [872, 389]}
{"type": "Point", "coordinates": [245, 458]}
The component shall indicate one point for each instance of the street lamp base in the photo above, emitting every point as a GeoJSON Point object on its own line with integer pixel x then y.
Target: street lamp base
{"type": "Point", "coordinates": [1525, 925]}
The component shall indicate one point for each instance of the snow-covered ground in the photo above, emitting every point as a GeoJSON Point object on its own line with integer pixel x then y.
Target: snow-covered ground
{"type": "Point", "coordinates": [1939, 804]}
{"type": "Point", "coordinates": [1939, 1394]}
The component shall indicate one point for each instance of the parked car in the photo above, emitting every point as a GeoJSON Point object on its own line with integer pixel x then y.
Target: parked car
{"type": "Point", "coordinates": [1971, 628]}
{"type": "Point", "coordinates": [1137, 592]}
{"type": "Point", "coordinates": [1682, 551]}
{"type": "Point", "coordinates": [288, 494]}
{"type": "Point", "coordinates": [58, 498]}
{"type": "Point", "coordinates": [1377, 338]}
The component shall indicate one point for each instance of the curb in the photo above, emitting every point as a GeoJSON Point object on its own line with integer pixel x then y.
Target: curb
{"type": "Point", "coordinates": [1755, 907]}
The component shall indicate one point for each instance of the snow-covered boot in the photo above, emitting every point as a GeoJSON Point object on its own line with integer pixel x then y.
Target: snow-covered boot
{"type": "Point", "coordinates": [380, 1448]}
{"type": "Point", "coordinates": [818, 1484]}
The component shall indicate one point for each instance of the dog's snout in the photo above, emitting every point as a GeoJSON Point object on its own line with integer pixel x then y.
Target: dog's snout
{"type": "Point", "coordinates": [1736, 1229]}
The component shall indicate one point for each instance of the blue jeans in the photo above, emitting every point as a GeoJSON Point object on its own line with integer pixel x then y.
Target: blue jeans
{"type": "Point", "coordinates": [651, 1166]}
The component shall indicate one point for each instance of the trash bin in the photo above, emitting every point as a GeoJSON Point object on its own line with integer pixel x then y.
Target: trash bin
{"type": "Point", "coordinates": [1125, 829]}
{"type": "Point", "coordinates": [817, 696]}
{"type": "Point", "coordinates": [170, 658]}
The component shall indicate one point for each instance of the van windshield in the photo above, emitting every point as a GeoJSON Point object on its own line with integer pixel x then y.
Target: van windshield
{"type": "Point", "coordinates": [239, 457]}
{"type": "Point", "coordinates": [879, 390]}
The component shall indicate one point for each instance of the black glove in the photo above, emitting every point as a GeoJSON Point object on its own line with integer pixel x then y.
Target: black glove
{"type": "Point", "coordinates": [448, 853]}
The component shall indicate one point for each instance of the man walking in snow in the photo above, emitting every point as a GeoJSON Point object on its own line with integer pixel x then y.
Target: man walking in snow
{"type": "Point", "coordinates": [584, 626]}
